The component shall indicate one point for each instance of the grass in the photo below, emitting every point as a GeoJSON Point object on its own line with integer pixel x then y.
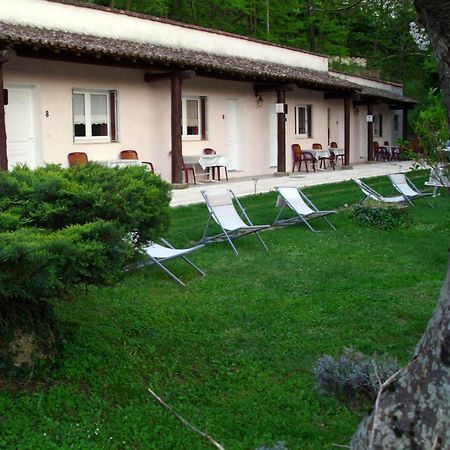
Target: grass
{"type": "Point", "coordinates": [233, 352]}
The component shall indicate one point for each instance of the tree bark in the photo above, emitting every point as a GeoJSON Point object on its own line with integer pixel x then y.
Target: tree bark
{"type": "Point", "coordinates": [435, 16]}
{"type": "Point", "coordinates": [413, 408]}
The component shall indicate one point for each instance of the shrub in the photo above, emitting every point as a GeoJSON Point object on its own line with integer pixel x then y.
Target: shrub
{"type": "Point", "coordinates": [352, 376]}
{"type": "Point", "coordinates": [384, 217]}
{"type": "Point", "coordinates": [36, 265]}
{"type": "Point", "coordinates": [60, 228]}
{"type": "Point", "coordinates": [53, 198]}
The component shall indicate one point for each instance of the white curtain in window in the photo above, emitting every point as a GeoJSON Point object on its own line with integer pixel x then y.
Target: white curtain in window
{"type": "Point", "coordinates": [79, 114]}
{"type": "Point", "coordinates": [192, 113]}
{"type": "Point", "coordinates": [99, 109]}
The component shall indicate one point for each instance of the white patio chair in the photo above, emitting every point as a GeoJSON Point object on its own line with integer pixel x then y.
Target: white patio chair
{"type": "Point", "coordinates": [437, 180]}
{"type": "Point", "coordinates": [302, 206]}
{"type": "Point", "coordinates": [374, 195]}
{"type": "Point", "coordinates": [221, 208]}
{"type": "Point", "coordinates": [158, 254]}
{"type": "Point", "coordinates": [405, 186]}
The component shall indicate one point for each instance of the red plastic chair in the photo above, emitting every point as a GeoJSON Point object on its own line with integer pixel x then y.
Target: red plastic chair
{"type": "Point", "coordinates": [132, 154]}
{"type": "Point", "coordinates": [80, 158]}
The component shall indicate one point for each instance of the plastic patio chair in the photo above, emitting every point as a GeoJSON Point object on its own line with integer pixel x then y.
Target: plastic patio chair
{"type": "Point", "coordinates": [301, 205]}
{"type": "Point", "coordinates": [159, 254]}
{"type": "Point", "coordinates": [132, 154]}
{"type": "Point", "coordinates": [80, 158]}
{"type": "Point", "coordinates": [374, 195]}
{"type": "Point", "coordinates": [221, 208]}
{"type": "Point", "coordinates": [405, 186]}
{"type": "Point", "coordinates": [438, 179]}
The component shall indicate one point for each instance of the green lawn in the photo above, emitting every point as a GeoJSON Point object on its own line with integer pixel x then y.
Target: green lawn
{"type": "Point", "coordinates": [233, 351]}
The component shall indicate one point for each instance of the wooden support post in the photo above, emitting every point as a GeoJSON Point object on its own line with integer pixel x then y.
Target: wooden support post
{"type": "Point", "coordinates": [281, 133]}
{"type": "Point", "coordinates": [177, 147]}
{"type": "Point", "coordinates": [347, 103]}
{"type": "Point", "coordinates": [370, 133]}
{"type": "Point", "coordinates": [405, 124]}
{"type": "Point", "coordinates": [6, 55]}
{"type": "Point", "coordinates": [176, 80]}
{"type": "Point", "coordinates": [3, 149]}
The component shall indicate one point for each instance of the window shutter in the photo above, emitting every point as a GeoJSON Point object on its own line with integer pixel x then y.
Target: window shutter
{"type": "Point", "coordinates": [113, 115]}
{"type": "Point", "coordinates": [380, 128]}
{"type": "Point", "coordinates": [203, 117]}
{"type": "Point", "coordinates": [309, 115]}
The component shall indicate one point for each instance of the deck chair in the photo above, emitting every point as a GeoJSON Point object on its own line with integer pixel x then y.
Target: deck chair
{"type": "Point", "coordinates": [221, 208]}
{"type": "Point", "coordinates": [301, 205]}
{"type": "Point", "coordinates": [405, 186]}
{"type": "Point", "coordinates": [374, 195]}
{"type": "Point", "coordinates": [158, 254]}
{"type": "Point", "coordinates": [437, 180]}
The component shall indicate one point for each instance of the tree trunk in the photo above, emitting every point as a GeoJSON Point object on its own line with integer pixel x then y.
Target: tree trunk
{"type": "Point", "coordinates": [435, 16]}
{"type": "Point", "coordinates": [412, 410]}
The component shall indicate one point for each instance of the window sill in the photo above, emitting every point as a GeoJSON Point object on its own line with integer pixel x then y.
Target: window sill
{"type": "Point", "coordinates": [92, 141]}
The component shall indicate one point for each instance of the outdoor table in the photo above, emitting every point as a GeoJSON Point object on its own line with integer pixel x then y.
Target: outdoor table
{"type": "Point", "coordinates": [319, 153]}
{"type": "Point", "coordinates": [120, 162]}
{"type": "Point", "coordinates": [391, 149]}
{"type": "Point", "coordinates": [207, 161]}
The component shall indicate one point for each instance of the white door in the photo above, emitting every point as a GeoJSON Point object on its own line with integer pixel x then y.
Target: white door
{"type": "Point", "coordinates": [273, 135]}
{"type": "Point", "coordinates": [20, 130]}
{"type": "Point", "coordinates": [362, 135]}
{"type": "Point", "coordinates": [234, 142]}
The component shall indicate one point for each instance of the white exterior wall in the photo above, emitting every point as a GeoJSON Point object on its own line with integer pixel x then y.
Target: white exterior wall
{"type": "Point", "coordinates": [56, 16]}
{"type": "Point", "coordinates": [144, 115]}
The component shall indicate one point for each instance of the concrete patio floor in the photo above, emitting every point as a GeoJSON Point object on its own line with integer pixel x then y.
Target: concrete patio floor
{"type": "Point", "coordinates": [249, 185]}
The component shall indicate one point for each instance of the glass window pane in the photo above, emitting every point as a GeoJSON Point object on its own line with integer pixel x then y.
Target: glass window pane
{"type": "Point", "coordinates": [79, 115]}
{"type": "Point", "coordinates": [192, 118]}
{"type": "Point", "coordinates": [99, 115]}
{"type": "Point", "coordinates": [301, 120]}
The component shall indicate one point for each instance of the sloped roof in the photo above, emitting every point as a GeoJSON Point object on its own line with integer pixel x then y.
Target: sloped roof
{"type": "Point", "coordinates": [21, 36]}
{"type": "Point", "coordinates": [388, 96]}
{"type": "Point", "coordinates": [39, 38]}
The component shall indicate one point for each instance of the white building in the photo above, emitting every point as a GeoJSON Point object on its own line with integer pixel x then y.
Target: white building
{"type": "Point", "coordinates": [84, 78]}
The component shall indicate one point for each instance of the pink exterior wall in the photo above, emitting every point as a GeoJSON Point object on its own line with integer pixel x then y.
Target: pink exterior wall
{"type": "Point", "coordinates": [144, 116]}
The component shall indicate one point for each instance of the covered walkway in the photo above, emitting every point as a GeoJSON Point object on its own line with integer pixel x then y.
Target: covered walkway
{"type": "Point", "coordinates": [250, 186]}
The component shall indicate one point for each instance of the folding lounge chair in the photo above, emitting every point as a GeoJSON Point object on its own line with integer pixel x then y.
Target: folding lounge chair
{"type": "Point", "coordinates": [301, 205]}
{"type": "Point", "coordinates": [403, 185]}
{"type": "Point", "coordinates": [158, 254]}
{"type": "Point", "coordinates": [437, 180]}
{"type": "Point", "coordinates": [374, 195]}
{"type": "Point", "coordinates": [221, 208]}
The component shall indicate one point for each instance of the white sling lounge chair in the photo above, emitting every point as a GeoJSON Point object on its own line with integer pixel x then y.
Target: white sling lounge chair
{"type": "Point", "coordinates": [158, 254]}
{"type": "Point", "coordinates": [301, 205]}
{"type": "Point", "coordinates": [221, 208]}
{"type": "Point", "coordinates": [438, 179]}
{"type": "Point", "coordinates": [374, 195]}
{"type": "Point", "coordinates": [403, 185]}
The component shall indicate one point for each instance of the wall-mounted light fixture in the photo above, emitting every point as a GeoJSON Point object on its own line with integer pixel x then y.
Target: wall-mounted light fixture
{"type": "Point", "coordinates": [259, 101]}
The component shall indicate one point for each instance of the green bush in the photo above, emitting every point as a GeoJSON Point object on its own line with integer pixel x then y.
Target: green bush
{"type": "Point", "coordinates": [60, 228]}
{"type": "Point", "coordinates": [383, 217]}
{"type": "Point", "coordinates": [36, 265]}
{"type": "Point", "coordinates": [53, 198]}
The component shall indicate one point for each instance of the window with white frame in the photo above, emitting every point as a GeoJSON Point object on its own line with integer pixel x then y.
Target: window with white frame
{"type": "Point", "coordinates": [193, 115]}
{"type": "Point", "coordinates": [378, 125]}
{"type": "Point", "coordinates": [302, 119]}
{"type": "Point", "coordinates": [94, 115]}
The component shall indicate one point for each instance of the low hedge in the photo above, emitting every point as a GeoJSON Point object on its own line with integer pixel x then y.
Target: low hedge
{"type": "Point", "coordinates": [53, 198]}
{"type": "Point", "coordinates": [60, 228]}
{"type": "Point", "coordinates": [384, 217]}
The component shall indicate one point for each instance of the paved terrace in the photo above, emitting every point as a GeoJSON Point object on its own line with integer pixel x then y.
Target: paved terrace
{"type": "Point", "coordinates": [248, 186]}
